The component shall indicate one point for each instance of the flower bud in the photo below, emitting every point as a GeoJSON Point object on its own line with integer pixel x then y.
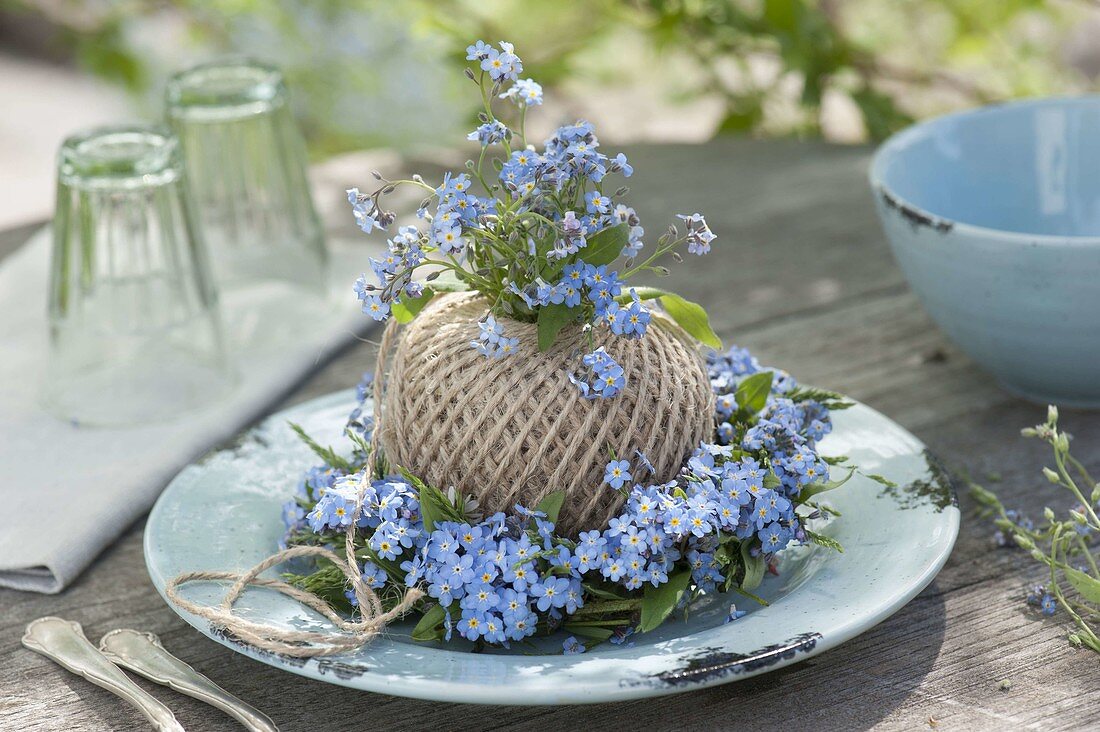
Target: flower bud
{"type": "Point", "coordinates": [1048, 514]}
{"type": "Point", "coordinates": [1024, 543]}
{"type": "Point", "coordinates": [1052, 414]}
{"type": "Point", "coordinates": [1078, 517]}
{"type": "Point", "coordinates": [1051, 475]}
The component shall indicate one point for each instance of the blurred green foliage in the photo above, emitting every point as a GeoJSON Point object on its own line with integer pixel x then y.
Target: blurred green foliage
{"type": "Point", "coordinates": [893, 59]}
{"type": "Point", "coordinates": [769, 67]}
{"type": "Point", "coordinates": [804, 37]}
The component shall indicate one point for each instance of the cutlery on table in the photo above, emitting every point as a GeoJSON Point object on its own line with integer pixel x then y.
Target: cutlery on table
{"type": "Point", "coordinates": [143, 654]}
{"type": "Point", "coordinates": [63, 641]}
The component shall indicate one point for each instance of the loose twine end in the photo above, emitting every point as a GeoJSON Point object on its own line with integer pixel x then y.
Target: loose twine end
{"type": "Point", "coordinates": [299, 643]}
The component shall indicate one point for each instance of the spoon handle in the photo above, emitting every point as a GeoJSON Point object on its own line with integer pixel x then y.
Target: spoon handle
{"type": "Point", "coordinates": [64, 642]}
{"type": "Point", "coordinates": [143, 654]}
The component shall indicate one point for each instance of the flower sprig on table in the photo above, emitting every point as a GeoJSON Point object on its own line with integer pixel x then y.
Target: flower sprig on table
{"type": "Point", "coordinates": [738, 501]}
{"type": "Point", "coordinates": [1065, 546]}
{"type": "Point", "coordinates": [536, 232]}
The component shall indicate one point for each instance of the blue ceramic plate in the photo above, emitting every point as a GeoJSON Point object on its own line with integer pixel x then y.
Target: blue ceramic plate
{"type": "Point", "coordinates": [224, 513]}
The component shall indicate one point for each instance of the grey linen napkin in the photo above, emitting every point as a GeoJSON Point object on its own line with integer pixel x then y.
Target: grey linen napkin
{"type": "Point", "coordinates": [66, 491]}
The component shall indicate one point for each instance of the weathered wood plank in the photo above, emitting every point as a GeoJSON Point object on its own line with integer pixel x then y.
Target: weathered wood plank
{"type": "Point", "coordinates": [801, 276]}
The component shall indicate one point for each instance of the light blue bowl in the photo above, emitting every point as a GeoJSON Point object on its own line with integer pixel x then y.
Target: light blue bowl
{"type": "Point", "coordinates": [994, 217]}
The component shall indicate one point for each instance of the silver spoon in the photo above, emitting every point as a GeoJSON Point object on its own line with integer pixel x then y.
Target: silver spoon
{"type": "Point", "coordinates": [64, 642]}
{"type": "Point", "coordinates": [143, 654]}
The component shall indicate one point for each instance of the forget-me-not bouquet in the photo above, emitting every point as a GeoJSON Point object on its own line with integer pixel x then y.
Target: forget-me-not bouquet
{"type": "Point", "coordinates": [540, 241]}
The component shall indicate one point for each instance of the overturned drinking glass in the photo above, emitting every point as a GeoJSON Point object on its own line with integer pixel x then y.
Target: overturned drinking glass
{"type": "Point", "coordinates": [135, 331]}
{"type": "Point", "coordinates": [246, 167]}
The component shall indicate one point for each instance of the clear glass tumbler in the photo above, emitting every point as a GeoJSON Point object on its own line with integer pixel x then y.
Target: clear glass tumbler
{"type": "Point", "coordinates": [135, 333]}
{"type": "Point", "coordinates": [246, 166]}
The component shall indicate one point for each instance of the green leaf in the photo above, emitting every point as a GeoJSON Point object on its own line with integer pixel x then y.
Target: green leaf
{"type": "Point", "coordinates": [434, 505]}
{"type": "Point", "coordinates": [752, 392]}
{"type": "Point", "coordinates": [1087, 585]}
{"type": "Point", "coordinates": [688, 315]}
{"type": "Point", "coordinates": [589, 631]}
{"type": "Point", "coordinates": [409, 308]}
{"type": "Point", "coordinates": [644, 293]}
{"type": "Point", "coordinates": [822, 540]}
{"type": "Point", "coordinates": [771, 480]}
{"type": "Point", "coordinates": [659, 602]}
{"type": "Point", "coordinates": [691, 317]}
{"type": "Point", "coordinates": [809, 491]}
{"type": "Point", "coordinates": [551, 505]}
{"type": "Point", "coordinates": [605, 246]}
{"type": "Point", "coordinates": [832, 400]}
{"type": "Point", "coordinates": [880, 479]}
{"type": "Point", "coordinates": [601, 592]}
{"type": "Point", "coordinates": [359, 443]}
{"type": "Point", "coordinates": [552, 318]}
{"type": "Point", "coordinates": [430, 627]}
{"type": "Point", "coordinates": [429, 513]}
{"type": "Point", "coordinates": [604, 608]}
{"type": "Point", "coordinates": [824, 508]}
{"type": "Point", "coordinates": [754, 568]}
{"type": "Point", "coordinates": [325, 453]}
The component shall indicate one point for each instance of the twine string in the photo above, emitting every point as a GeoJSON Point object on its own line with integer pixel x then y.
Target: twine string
{"type": "Point", "coordinates": [304, 643]}
{"type": "Point", "coordinates": [384, 348]}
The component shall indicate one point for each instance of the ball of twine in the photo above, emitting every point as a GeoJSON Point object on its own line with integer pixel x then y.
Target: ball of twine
{"type": "Point", "coordinates": [515, 429]}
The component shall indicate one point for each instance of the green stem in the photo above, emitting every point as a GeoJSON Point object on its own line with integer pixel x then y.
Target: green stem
{"type": "Point", "coordinates": [537, 216]}
{"type": "Point", "coordinates": [661, 251]}
{"type": "Point", "coordinates": [1081, 469]}
{"type": "Point", "coordinates": [1057, 590]}
{"type": "Point", "coordinates": [1088, 555]}
{"type": "Point", "coordinates": [477, 171]}
{"type": "Point", "coordinates": [485, 97]}
{"type": "Point", "coordinates": [1068, 482]}
{"type": "Point", "coordinates": [409, 181]}
{"type": "Point", "coordinates": [488, 104]}
{"type": "Point", "coordinates": [751, 596]}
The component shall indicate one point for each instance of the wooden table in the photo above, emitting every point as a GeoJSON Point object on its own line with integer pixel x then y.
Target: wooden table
{"type": "Point", "coordinates": [802, 275]}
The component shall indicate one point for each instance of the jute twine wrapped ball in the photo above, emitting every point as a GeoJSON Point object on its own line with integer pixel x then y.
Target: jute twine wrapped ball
{"type": "Point", "coordinates": [514, 429]}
